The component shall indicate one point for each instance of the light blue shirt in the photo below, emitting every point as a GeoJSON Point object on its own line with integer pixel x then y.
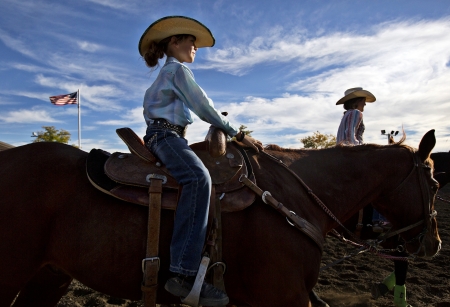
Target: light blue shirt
{"type": "Point", "coordinates": [175, 93]}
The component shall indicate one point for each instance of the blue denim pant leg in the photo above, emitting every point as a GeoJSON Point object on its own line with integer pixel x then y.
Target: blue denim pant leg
{"type": "Point", "coordinates": [191, 216]}
{"type": "Point", "coordinates": [377, 216]}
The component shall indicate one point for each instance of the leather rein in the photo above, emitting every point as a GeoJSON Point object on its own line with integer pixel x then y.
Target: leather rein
{"type": "Point", "coordinates": [293, 218]}
{"type": "Point", "coordinates": [443, 199]}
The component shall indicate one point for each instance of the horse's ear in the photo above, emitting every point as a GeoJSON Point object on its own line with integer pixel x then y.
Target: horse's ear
{"type": "Point", "coordinates": [426, 145]}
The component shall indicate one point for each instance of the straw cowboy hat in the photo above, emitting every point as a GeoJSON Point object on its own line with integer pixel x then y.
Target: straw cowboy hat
{"type": "Point", "coordinates": [174, 25]}
{"type": "Point", "coordinates": [355, 93]}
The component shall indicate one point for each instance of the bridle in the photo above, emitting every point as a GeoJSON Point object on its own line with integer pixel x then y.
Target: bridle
{"type": "Point", "coordinates": [427, 198]}
{"type": "Point", "coordinates": [425, 192]}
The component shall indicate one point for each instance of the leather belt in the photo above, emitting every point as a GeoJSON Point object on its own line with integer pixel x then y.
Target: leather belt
{"type": "Point", "coordinates": [161, 122]}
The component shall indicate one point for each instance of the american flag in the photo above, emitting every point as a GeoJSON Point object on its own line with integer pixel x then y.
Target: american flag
{"type": "Point", "coordinates": [61, 100]}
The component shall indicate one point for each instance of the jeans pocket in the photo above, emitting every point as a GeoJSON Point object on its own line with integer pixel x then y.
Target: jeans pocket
{"type": "Point", "coordinates": [152, 141]}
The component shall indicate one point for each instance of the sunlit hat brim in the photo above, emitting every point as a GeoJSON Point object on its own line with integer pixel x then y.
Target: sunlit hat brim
{"type": "Point", "coordinates": [174, 25]}
{"type": "Point", "coordinates": [356, 94]}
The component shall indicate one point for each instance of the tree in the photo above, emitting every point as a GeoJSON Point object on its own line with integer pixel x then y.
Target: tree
{"type": "Point", "coordinates": [243, 129]}
{"type": "Point", "coordinates": [319, 140]}
{"type": "Point", "coordinates": [52, 135]}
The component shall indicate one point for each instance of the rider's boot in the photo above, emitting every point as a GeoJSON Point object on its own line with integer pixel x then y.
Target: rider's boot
{"type": "Point", "coordinates": [400, 296]}
{"type": "Point", "coordinates": [380, 289]}
{"type": "Point", "coordinates": [181, 285]}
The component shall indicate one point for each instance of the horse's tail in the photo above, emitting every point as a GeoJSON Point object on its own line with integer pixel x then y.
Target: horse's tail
{"type": "Point", "coordinates": [403, 137]}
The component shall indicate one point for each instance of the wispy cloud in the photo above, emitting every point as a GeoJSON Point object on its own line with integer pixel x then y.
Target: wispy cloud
{"type": "Point", "coordinates": [300, 71]}
{"type": "Point", "coordinates": [17, 45]}
{"type": "Point", "coordinates": [119, 5]}
{"type": "Point", "coordinates": [98, 96]}
{"type": "Point", "coordinates": [410, 39]}
{"type": "Point", "coordinates": [30, 68]}
{"type": "Point", "coordinates": [130, 117]}
{"type": "Point", "coordinates": [405, 64]}
{"type": "Point", "coordinates": [88, 46]}
{"type": "Point", "coordinates": [25, 116]}
{"type": "Point", "coordinates": [62, 59]}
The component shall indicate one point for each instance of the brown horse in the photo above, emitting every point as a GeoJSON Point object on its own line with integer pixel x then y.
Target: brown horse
{"type": "Point", "coordinates": [56, 226]}
{"type": "Point", "coordinates": [441, 162]}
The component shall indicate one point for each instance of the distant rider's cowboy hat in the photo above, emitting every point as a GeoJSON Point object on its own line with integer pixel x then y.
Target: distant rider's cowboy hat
{"type": "Point", "coordinates": [175, 25]}
{"type": "Point", "coordinates": [355, 93]}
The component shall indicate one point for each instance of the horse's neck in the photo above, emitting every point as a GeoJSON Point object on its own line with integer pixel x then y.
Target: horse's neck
{"type": "Point", "coordinates": [343, 181]}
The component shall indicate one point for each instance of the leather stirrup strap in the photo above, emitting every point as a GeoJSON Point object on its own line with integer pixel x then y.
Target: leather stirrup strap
{"type": "Point", "coordinates": [216, 250]}
{"type": "Point", "coordinates": [150, 265]}
{"type": "Point", "coordinates": [301, 224]}
{"type": "Point", "coordinates": [359, 226]}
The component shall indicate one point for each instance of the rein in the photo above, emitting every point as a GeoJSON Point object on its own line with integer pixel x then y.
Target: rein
{"type": "Point", "coordinates": [426, 198]}
{"type": "Point", "coordinates": [318, 201]}
{"type": "Point", "coordinates": [443, 199]}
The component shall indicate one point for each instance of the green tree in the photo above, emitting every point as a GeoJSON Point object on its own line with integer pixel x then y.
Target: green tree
{"type": "Point", "coordinates": [51, 134]}
{"type": "Point", "coordinates": [244, 129]}
{"type": "Point", "coordinates": [319, 140]}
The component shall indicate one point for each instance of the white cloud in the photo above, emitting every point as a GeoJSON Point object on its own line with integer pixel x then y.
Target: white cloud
{"type": "Point", "coordinates": [28, 116]}
{"type": "Point", "coordinates": [395, 39]}
{"type": "Point", "coordinates": [17, 45]}
{"type": "Point", "coordinates": [130, 117]}
{"type": "Point", "coordinates": [88, 46]}
{"type": "Point", "coordinates": [119, 5]}
{"type": "Point", "coordinates": [30, 68]}
{"type": "Point", "coordinates": [405, 64]}
{"type": "Point", "coordinates": [87, 68]}
{"type": "Point", "coordinates": [93, 97]}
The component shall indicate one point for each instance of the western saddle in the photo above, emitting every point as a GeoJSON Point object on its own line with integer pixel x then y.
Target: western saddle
{"type": "Point", "coordinates": [141, 179]}
{"type": "Point", "coordinates": [138, 177]}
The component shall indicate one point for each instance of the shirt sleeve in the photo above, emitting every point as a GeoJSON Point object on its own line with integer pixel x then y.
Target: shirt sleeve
{"type": "Point", "coordinates": [198, 102]}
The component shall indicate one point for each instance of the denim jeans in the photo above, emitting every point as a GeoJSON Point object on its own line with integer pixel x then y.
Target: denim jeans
{"type": "Point", "coordinates": [191, 215]}
{"type": "Point", "coordinates": [377, 216]}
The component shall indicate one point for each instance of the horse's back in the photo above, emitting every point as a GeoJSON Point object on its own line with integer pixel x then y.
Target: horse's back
{"type": "Point", "coordinates": [37, 173]}
{"type": "Point", "coordinates": [39, 163]}
{"type": "Point", "coordinates": [32, 185]}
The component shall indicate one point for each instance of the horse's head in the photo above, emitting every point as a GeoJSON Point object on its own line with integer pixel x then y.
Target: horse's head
{"type": "Point", "coordinates": [410, 205]}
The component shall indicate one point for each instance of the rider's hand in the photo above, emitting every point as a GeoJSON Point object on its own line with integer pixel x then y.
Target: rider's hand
{"type": "Point", "coordinates": [251, 142]}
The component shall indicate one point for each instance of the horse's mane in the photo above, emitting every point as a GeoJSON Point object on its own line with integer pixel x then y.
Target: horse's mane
{"type": "Point", "coordinates": [341, 146]}
{"type": "Point", "coordinates": [362, 147]}
{"type": "Point", "coordinates": [358, 148]}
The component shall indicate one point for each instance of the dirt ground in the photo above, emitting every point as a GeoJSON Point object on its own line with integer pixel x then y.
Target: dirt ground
{"type": "Point", "coordinates": [348, 283]}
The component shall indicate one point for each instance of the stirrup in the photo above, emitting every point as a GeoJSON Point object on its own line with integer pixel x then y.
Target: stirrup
{"type": "Point", "coordinates": [193, 297]}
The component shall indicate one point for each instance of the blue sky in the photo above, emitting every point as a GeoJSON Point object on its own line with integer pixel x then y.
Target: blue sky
{"type": "Point", "coordinates": [278, 67]}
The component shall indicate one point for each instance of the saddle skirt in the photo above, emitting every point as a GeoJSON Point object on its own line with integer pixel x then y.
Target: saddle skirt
{"type": "Point", "coordinates": [127, 175]}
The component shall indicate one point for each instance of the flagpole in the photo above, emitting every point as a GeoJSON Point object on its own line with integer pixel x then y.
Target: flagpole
{"type": "Point", "coordinates": [79, 120]}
